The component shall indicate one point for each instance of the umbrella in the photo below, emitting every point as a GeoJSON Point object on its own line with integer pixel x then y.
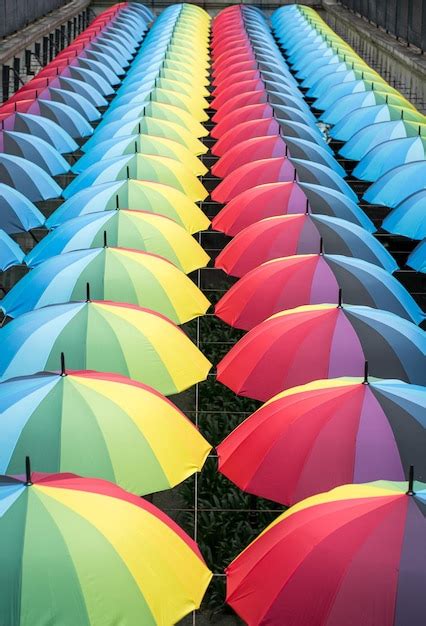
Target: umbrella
{"type": "Point", "coordinates": [10, 253]}
{"type": "Point", "coordinates": [275, 199]}
{"type": "Point", "coordinates": [244, 131]}
{"type": "Point", "coordinates": [255, 84]}
{"type": "Point", "coordinates": [42, 127]}
{"type": "Point", "coordinates": [114, 274]}
{"type": "Point", "coordinates": [67, 84]}
{"type": "Point", "coordinates": [240, 100]}
{"type": "Point", "coordinates": [27, 178]}
{"type": "Point", "coordinates": [146, 167]}
{"type": "Point", "coordinates": [104, 428]}
{"type": "Point", "coordinates": [34, 149]}
{"type": "Point", "coordinates": [242, 114]}
{"type": "Point", "coordinates": [417, 259]}
{"type": "Point", "coordinates": [289, 282]}
{"type": "Point", "coordinates": [107, 555]}
{"type": "Point", "coordinates": [286, 235]}
{"type": "Point", "coordinates": [106, 337]}
{"type": "Point", "coordinates": [303, 131]}
{"type": "Point", "coordinates": [248, 151]}
{"type": "Point", "coordinates": [375, 134]}
{"type": "Point", "coordinates": [134, 194]}
{"type": "Point", "coordinates": [137, 230]}
{"type": "Point", "coordinates": [65, 116]}
{"type": "Point", "coordinates": [344, 74]}
{"type": "Point", "coordinates": [388, 155]}
{"type": "Point", "coordinates": [408, 218]}
{"type": "Point", "coordinates": [74, 100]}
{"type": "Point", "coordinates": [323, 341]}
{"type": "Point", "coordinates": [306, 150]}
{"type": "Point", "coordinates": [318, 174]}
{"type": "Point", "coordinates": [334, 94]}
{"type": "Point", "coordinates": [379, 425]}
{"type": "Point", "coordinates": [17, 213]}
{"type": "Point", "coordinates": [150, 126]}
{"type": "Point", "coordinates": [358, 548]}
{"type": "Point", "coordinates": [141, 144]}
{"type": "Point", "coordinates": [340, 109]}
{"type": "Point", "coordinates": [398, 184]}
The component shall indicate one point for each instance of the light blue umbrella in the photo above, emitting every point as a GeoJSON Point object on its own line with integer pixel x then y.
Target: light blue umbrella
{"type": "Point", "coordinates": [338, 91]}
{"type": "Point", "coordinates": [329, 80]}
{"type": "Point", "coordinates": [92, 78]}
{"type": "Point", "coordinates": [294, 114]}
{"type": "Point", "coordinates": [116, 129]}
{"type": "Point", "coordinates": [35, 150]}
{"type": "Point", "coordinates": [417, 259]}
{"type": "Point", "coordinates": [323, 72]}
{"type": "Point", "coordinates": [42, 127]}
{"type": "Point", "coordinates": [388, 155]}
{"type": "Point", "coordinates": [76, 101]}
{"type": "Point", "coordinates": [17, 213]}
{"type": "Point", "coordinates": [408, 218]}
{"type": "Point", "coordinates": [10, 253]}
{"type": "Point", "coordinates": [336, 204]}
{"type": "Point", "coordinates": [79, 87]}
{"type": "Point", "coordinates": [371, 136]}
{"type": "Point", "coordinates": [318, 174]}
{"type": "Point", "coordinates": [307, 150]}
{"type": "Point", "coordinates": [352, 102]}
{"type": "Point", "coordinates": [132, 97]}
{"type": "Point", "coordinates": [357, 120]}
{"type": "Point", "coordinates": [67, 117]}
{"type": "Point", "coordinates": [105, 59]}
{"type": "Point", "coordinates": [397, 184]}
{"type": "Point", "coordinates": [27, 178]}
{"type": "Point", "coordinates": [301, 131]}
{"type": "Point", "coordinates": [99, 68]}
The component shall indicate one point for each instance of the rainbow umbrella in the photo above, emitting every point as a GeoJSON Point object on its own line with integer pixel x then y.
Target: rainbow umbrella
{"type": "Point", "coordinates": [286, 235]}
{"type": "Point", "coordinates": [114, 274]}
{"type": "Point", "coordinates": [359, 549]}
{"type": "Point", "coordinates": [137, 230]}
{"type": "Point", "coordinates": [149, 197]}
{"type": "Point", "coordinates": [141, 144]}
{"type": "Point", "coordinates": [106, 337]}
{"type": "Point", "coordinates": [108, 556]}
{"type": "Point", "coordinates": [276, 199]}
{"type": "Point", "coordinates": [150, 168]}
{"type": "Point", "coordinates": [417, 259]}
{"type": "Point", "coordinates": [289, 282]}
{"type": "Point", "coordinates": [10, 253]}
{"type": "Point", "coordinates": [286, 451]}
{"type": "Point", "coordinates": [101, 425]}
{"type": "Point", "coordinates": [323, 341]}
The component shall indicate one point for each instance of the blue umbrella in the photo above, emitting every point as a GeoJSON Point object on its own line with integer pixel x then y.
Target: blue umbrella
{"type": "Point", "coordinates": [42, 127]}
{"type": "Point", "coordinates": [294, 114]}
{"type": "Point", "coordinates": [92, 78]}
{"type": "Point", "coordinates": [68, 118]}
{"type": "Point", "coordinates": [327, 70]}
{"type": "Point", "coordinates": [107, 60]}
{"type": "Point", "coordinates": [371, 136]}
{"type": "Point", "coordinates": [388, 155]}
{"type": "Point", "coordinates": [76, 101]}
{"type": "Point", "coordinates": [397, 184]}
{"type": "Point", "coordinates": [35, 150]}
{"type": "Point", "coordinates": [317, 174]}
{"type": "Point", "coordinates": [417, 259]}
{"type": "Point", "coordinates": [10, 253]}
{"type": "Point", "coordinates": [132, 96]}
{"type": "Point", "coordinates": [301, 131]}
{"type": "Point", "coordinates": [338, 91]}
{"type": "Point", "coordinates": [356, 120]}
{"type": "Point", "coordinates": [342, 107]}
{"type": "Point", "coordinates": [80, 87]}
{"type": "Point", "coordinates": [408, 218]}
{"type": "Point", "coordinates": [336, 204]}
{"type": "Point", "coordinates": [330, 79]}
{"type": "Point", "coordinates": [27, 178]}
{"type": "Point", "coordinates": [17, 213]}
{"type": "Point", "coordinates": [302, 149]}
{"type": "Point", "coordinates": [99, 68]}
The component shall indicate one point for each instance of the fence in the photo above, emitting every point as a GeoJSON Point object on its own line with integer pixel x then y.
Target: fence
{"type": "Point", "coordinates": [406, 19]}
{"type": "Point", "coordinates": [15, 14]}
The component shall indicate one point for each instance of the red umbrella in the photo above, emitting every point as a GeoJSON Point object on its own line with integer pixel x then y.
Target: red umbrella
{"type": "Point", "coordinates": [238, 42]}
{"type": "Point", "coordinates": [229, 59]}
{"type": "Point", "coordinates": [250, 150]}
{"type": "Point", "coordinates": [235, 89]}
{"type": "Point", "coordinates": [259, 203]}
{"type": "Point", "coordinates": [322, 341]}
{"type": "Point", "coordinates": [240, 100]}
{"type": "Point", "coordinates": [223, 73]}
{"type": "Point", "coordinates": [243, 131]}
{"type": "Point", "coordinates": [243, 114]}
{"type": "Point", "coordinates": [279, 169]}
{"type": "Point", "coordinates": [231, 80]}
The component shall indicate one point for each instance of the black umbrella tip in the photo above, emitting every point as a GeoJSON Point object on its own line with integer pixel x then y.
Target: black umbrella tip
{"type": "Point", "coordinates": [410, 491]}
{"type": "Point", "coordinates": [88, 292]}
{"type": "Point", "coordinates": [105, 239]}
{"type": "Point", "coordinates": [365, 381]}
{"type": "Point", "coordinates": [340, 301]}
{"type": "Point", "coordinates": [63, 367]}
{"type": "Point", "coordinates": [28, 480]}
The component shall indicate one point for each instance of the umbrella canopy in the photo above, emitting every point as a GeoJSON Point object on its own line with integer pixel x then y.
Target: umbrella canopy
{"type": "Point", "coordinates": [150, 197]}
{"type": "Point", "coordinates": [145, 167]}
{"type": "Point", "coordinates": [10, 253]}
{"type": "Point", "coordinates": [100, 425]}
{"type": "Point", "coordinates": [380, 427]}
{"type": "Point", "coordinates": [137, 230]}
{"type": "Point", "coordinates": [408, 218]}
{"type": "Point", "coordinates": [244, 131]}
{"type": "Point", "coordinates": [33, 149]}
{"type": "Point", "coordinates": [286, 235]}
{"type": "Point", "coordinates": [289, 282]}
{"type": "Point", "coordinates": [243, 114]}
{"type": "Point", "coordinates": [27, 178]}
{"type": "Point", "coordinates": [114, 274]}
{"type": "Point", "coordinates": [106, 337]}
{"type": "Point", "coordinates": [308, 151]}
{"type": "Point", "coordinates": [240, 100]}
{"type": "Point", "coordinates": [388, 155]}
{"type": "Point", "coordinates": [108, 555]}
{"type": "Point", "coordinates": [248, 151]}
{"type": "Point", "coordinates": [398, 184]}
{"type": "Point", "coordinates": [142, 144]}
{"type": "Point", "coordinates": [373, 537]}
{"type": "Point", "coordinates": [375, 134]}
{"type": "Point", "coordinates": [353, 102]}
{"type": "Point", "coordinates": [417, 259]}
{"type": "Point", "coordinates": [38, 126]}
{"type": "Point", "coordinates": [323, 341]}
{"type": "Point", "coordinates": [17, 213]}
{"type": "Point", "coordinates": [277, 199]}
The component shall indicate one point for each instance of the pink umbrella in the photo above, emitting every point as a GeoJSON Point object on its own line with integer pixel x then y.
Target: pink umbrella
{"type": "Point", "coordinates": [250, 150]}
